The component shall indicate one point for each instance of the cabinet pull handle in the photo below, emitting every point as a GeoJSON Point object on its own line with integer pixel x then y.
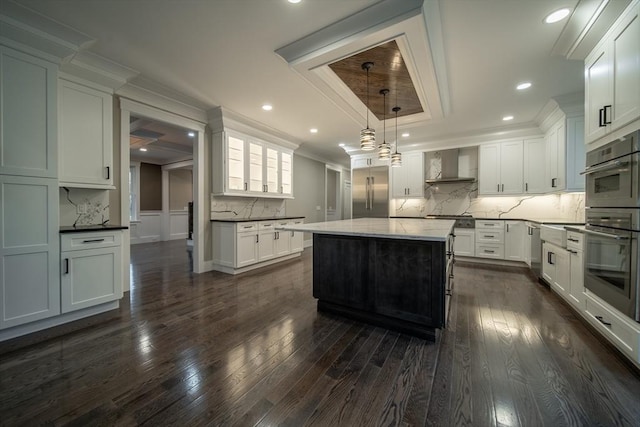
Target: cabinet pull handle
{"type": "Point", "coordinates": [108, 172]}
{"type": "Point", "coordinates": [530, 231]}
{"type": "Point", "coordinates": [66, 266]}
{"type": "Point", "coordinates": [498, 188]}
{"type": "Point", "coordinates": [550, 258]}
{"type": "Point", "coordinates": [245, 186]}
{"type": "Point", "coordinates": [553, 182]}
{"type": "Point", "coordinates": [607, 108]}
{"type": "Point", "coordinates": [572, 251]}
{"type": "Point", "coordinates": [601, 118]}
{"type": "Point", "coordinates": [489, 252]}
{"type": "Point", "coordinates": [488, 236]}
{"type": "Point", "coordinates": [292, 233]}
{"type": "Point", "coordinates": [281, 189]}
{"type": "Point", "coordinates": [507, 228]}
{"type": "Point", "coordinates": [573, 240]}
{"type": "Point", "coordinates": [502, 188]}
{"type": "Point", "coordinates": [601, 320]}
{"type": "Point", "coordinates": [526, 186]}
{"type": "Point", "coordinates": [257, 238]}
{"type": "Point", "coordinates": [93, 241]}
{"type": "Point", "coordinates": [247, 226]}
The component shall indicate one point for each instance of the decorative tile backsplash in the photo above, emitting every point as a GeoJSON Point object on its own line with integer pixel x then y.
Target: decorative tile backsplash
{"type": "Point", "coordinates": [81, 206]}
{"type": "Point", "coordinates": [246, 207]}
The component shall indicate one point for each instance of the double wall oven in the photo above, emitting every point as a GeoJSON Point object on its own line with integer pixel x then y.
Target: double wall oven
{"type": "Point", "coordinates": [612, 261]}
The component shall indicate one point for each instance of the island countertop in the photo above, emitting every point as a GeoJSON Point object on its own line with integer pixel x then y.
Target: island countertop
{"type": "Point", "coordinates": [390, 228]}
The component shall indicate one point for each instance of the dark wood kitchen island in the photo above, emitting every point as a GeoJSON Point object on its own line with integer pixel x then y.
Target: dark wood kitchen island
{"type": "Point", "coordinates": [392, 272]}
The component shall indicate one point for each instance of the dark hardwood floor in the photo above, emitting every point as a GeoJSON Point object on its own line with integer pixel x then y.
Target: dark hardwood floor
{"type": "Point", "coordinates": [214, 349]}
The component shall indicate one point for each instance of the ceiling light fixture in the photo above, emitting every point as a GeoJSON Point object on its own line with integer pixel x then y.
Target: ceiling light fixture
{"type": "Point", "coordinates": [267, 107]}
{"type": "Point", "coordinates": [313, 130]}
{"type": "Point", "coordinates": [406, 135]}
{"type": "Point", "coordinates": [384, 149]}
{"type": "Point", "coordinates": [191, 134]}
{"type": "Point", "coordinates": [396, 158]}
{"type": "Point", "coordinates": [367, 135]}
{"type": "Point", "coordinates": [294, 1]}
{"type": "Point", "coordinates": [523, 85]}
{"type": "Point", "coordinates": [507, 118]}
{"type": "Point", "coordinates": [556, 16]}
{"type": "Point", "coordinates": [342, 144]}
{"type": "Point", "coordinates": [143, 149]}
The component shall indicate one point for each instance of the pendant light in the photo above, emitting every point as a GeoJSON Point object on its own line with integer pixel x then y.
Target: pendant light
{"type": "Point", "coordinates": [367, 135]}
{"type": "Point", "coordinates": [384, 149]}
{"type": "Point", "coordinates": [396, 158]}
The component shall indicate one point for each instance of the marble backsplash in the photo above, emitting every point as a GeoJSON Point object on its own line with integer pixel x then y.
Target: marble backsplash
{"type": "Point", "coordinates": [461, 199]}
{"type": "Point", "coordinates": [246, 207]}
{"type": "Point", "coordinates": [82, 206]}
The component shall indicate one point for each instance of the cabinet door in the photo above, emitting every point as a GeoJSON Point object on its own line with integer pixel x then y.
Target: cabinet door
{"type": "Point", "coordinates": [413, 164]}
{"type": "Point", "coordinates": [246, 249]}
{"type": "Point", "coordinates": [576, 154]}
{"type": "Point", "coordinates": [297, 238]}
{"type": "Point", "coordinates": [514, 240]}
{"type": "Point", "coordinates": [561, 259]}
{"type": "Point", "coordinates": [548, 264]}
{"type": "Point", "coordinates": [464, 244]}
{"type": "Point", "coordinates": [90, 277]}
{"type": "Point", "coordinates": [399, 182]}
{"type": "Point", "coordinates": [85, 120]}
{"type": "Point", "coordinates": [286, 173]}
{"type": "Point", "coordinates": [360, 163]}
{"type": "Point", "coordinates": [625, 58]}
{"type": "Point", "coordinates": [235, 155]}
{"type": "Point", "coordinates": [255, 170]}
{"type": "Point", "coordinates": [283, 243]}
{"type": "Point", "coordinates": [271, 170]}
{"type": "Point", "coordinates": [489, 169]}
{"type": "Point", "coordinates": [534, 161]}
{"type": "Point", "coordinates": [511, 167]}
{"type": "Point", "coordinates": [576, 280]}
{"type": "Point", "coordinates": [29, 250]}
{"type": "Point", "coordinates": [28, 123]}
{"type": "Point", "coordinates": [266, 245]}
{"type": "Point", "coordinates": [555, 164]}
{"type": "Point", "coordinates": [597, 88]}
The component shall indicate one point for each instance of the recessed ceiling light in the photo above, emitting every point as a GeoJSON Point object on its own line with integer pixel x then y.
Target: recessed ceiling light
{"type": "Point", "coordinates": [294, 1]}
{"type": "Point", "coordinates": [143, 149]}
{"type": "Point", "coordinates": [313, 130]}
{"type": "Point", "coordinates": [342, 144]}
{"type": "Point", "coordinates": [406, 135]}
{"type": "Point", "coordinates": [507, 118]}
{"type": "Point", "coordinates": [523, 85]}
{"type": "Point", "coordinates": [267, 107]}
{"type": "Point", "coordinates": [556, 16]}
{"type": "Point", "coordinates": [191, 134]}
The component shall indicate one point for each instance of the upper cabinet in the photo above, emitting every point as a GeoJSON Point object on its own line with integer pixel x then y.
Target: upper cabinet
{"type": "Point", "coordinates": [565, 155]}
{"type": "Point", "coordinates": [28, 94]}
{"type": "Point", "coordinates": [534, 159]}
{"type": "Point", "coordinates": [85, 120]}
{"type": "Point", "coordinates": [612, 77]}
{"type": "Point", "coordinates": [251, 167]}
{"type": "Point", "coordinates": [408, 180]}
{"type": "Point", "coordinates": [554, 170]}
{"type": "Point", "coordinates": [500, 169]}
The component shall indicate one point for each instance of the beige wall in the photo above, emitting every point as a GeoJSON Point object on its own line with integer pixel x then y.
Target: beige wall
{"type": "Point", "coordinates": [308, 189]}
{"type": "Point", "coordinates": [180, 189]}
{"type": "Point", "coordinates": [150, 187]}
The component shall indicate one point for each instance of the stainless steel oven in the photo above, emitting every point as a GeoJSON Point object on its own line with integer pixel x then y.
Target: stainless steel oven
{"type": "Point", "coordinates": [612, 259]}
{"type": "Point", "coordinates": [612, 174]}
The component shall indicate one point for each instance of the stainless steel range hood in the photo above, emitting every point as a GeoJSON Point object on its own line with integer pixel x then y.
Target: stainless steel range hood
{"type": "Point", "coordinates": [449, 171]}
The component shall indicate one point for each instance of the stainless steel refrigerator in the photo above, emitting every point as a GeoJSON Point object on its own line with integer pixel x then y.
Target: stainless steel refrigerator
{"type": "Point", "coordinates": [370, 192]}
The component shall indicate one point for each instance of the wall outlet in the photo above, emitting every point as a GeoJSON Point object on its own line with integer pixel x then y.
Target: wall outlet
{"type": "Point", "coordinates": [318, 208]}
{"type": "Point", "coordinates": [81, 208]}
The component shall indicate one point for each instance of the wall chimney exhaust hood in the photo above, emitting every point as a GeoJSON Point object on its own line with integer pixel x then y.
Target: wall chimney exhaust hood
{"type": "Point", "coordinates": [449, 171]}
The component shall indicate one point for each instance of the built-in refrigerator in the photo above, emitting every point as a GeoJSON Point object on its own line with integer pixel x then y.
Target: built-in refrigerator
{"type": "Point", "coordinates": [370, 192]}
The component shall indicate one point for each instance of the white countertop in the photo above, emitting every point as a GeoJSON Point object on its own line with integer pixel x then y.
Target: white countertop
{"type": "Point", "coordinates": [390, 228]}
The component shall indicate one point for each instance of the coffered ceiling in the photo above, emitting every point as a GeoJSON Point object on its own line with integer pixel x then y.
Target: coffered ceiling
{"type": "Point", "coordinates": [464, 59]}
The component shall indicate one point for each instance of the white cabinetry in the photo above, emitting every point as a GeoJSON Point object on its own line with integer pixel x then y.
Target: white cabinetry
{"type": "Point", "coordinates": [501, 168]}
{"type": "Point", "coordinates": [555, 267]}
{"type": "Point", "coordinates": [490, 239]}
{"type": "Point", "coordinates": [29, 245]}
{"type": "Point", "coordinates": [91, 269]}
{"type": "Point", "coordinates": [575, 291]}
{"type": "Point", "coordinates": [565, 155]}
{"type": "Point", "coordinates": [514, 240]}
{"type": "Point", "coordinates": [612, 77]}
{"type": "Point", "coordinates": [464, 243]}
{"type": "Point", "coordinates": [85, 128]}
{"type": "Point", "coordinates": [367, 160]}
{"type": "Point", "coordinates": [555, 164]}
{"type": "Point", "coordinates": [408, 180]}
{"type": "Point", "coordinates": [251, 167]}
{"type": "Point", "coordinates": [241, 246]}
{"type": "Point", "coordinates": [534, 161]}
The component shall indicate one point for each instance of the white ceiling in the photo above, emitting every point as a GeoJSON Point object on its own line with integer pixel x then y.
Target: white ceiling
{"type": "Point", "coordinates": [222, 53]}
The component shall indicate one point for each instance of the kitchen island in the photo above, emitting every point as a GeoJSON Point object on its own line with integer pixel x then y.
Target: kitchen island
{"type": "Point", "coordinates": [392, 272]}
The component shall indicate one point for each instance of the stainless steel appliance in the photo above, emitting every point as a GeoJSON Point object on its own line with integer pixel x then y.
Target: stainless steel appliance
{"type": "Point", "coordinates": [533, 232]}
{"type": "Point", "coordinates": [612, 174]}
{"type": "Point", "coordinates": [370, 192]}
{"type": "Point", "coordinates": [612, 260]}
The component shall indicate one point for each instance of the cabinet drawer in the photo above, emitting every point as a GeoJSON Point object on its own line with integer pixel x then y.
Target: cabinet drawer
{"type": "Point", "coordinates": [89, 240]}
{"type": "Point", "coordinates": [490, 251]}
{"type": "Point", "coordinates": [266, 225]}
{"type": "Point", "coordinates": [621, 332]}
{"type": "Point", "coordinates": [245, 227]}
{"type": "Point", "coordinates": [574, 240]}
{"type": "Point", "coordinates": [490, 236]}
{"type": "Point", "coordinates": [489, 224]}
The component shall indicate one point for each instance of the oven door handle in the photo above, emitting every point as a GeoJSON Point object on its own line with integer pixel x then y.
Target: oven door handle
{"type": "Point", "coordinates": [608, 235]}
{"type": "Point", "coordinates": [609, 165]}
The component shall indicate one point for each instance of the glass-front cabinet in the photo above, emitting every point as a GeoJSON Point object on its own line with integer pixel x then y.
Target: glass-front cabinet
{"type": "Point", "coordinates": [251, 167]}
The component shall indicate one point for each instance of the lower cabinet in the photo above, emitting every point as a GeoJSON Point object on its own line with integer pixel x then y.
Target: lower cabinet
{"type": "Point", "coordinates": [91, 269]}
{"type": "Point", "coordinates": [575, 292]}
{"type": "Point", "coordinates": [555, 268]}
{"type": "Point", "coordinates": [514, 240]}
{"type": "Point", "coordinates": [241, 245]}
{"type": "Point", "coordinates": [464, 244]}
{"type": "Point", "coordinates": [490, 239]}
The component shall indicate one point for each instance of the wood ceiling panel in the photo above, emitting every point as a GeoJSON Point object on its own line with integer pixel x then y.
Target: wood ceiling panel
{"type": "Point", "coordinates": [388, 72]}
